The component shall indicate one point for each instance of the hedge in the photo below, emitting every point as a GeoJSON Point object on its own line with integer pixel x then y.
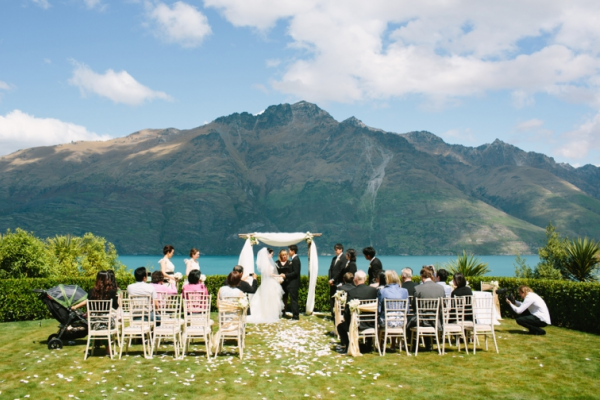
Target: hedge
{"type": "Point", "coordinates": [574, 305]}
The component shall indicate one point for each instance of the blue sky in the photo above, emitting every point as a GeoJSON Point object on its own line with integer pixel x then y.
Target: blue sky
{"type": "Point", "coordinates": [526, 72]}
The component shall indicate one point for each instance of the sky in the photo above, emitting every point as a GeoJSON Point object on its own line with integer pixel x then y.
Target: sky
{"type": "Point", "coordinates": [525, 72]}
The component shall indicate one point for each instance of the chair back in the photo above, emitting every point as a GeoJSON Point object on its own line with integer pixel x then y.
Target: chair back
{"type": "Point", "coordinates": [196, 309]}
{"type": "Point", "coordinates": [99, 315]}
{"type": "Point", "coordinates": [483, 310]}
{"type": "Point", "coordinates": [467, 308]}
{"type": "Point", "coordinates": [140, 308]}
{"type": "Point", "coordinates": [367, 318]}
{"type": "Point", "coordinates": [395, 312]}
{"type": "Point", "coordinates": [428, 312]}
{"type": "Point", "coordinates": [168, 311]}
{"type": "Point", "coordinates": [231, 316]}
{"type": "Point", "coordinates": [488, 287]}
{"type": "Point", "coordinates": [453, 310]}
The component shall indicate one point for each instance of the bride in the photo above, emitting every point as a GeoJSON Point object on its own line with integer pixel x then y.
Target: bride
{"type": "Point", "coordinates": [266, 304]}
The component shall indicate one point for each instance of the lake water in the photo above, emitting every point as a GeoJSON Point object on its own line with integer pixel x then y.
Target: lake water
{"type": "Point", "coordinates": [222, 265]}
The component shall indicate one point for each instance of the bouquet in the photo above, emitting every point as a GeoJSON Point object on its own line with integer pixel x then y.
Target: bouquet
{"type": "Point", "coordinates": [202, 278]}
{"type": "Point", "coordinates": [177, 275]}
{"type": "Point", "coordinates": [354, 305]}
{"type": "Point", "coordinates": [243, 302]}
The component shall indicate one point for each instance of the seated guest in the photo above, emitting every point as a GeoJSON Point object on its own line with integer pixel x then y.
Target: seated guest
{"type": "Point", "coordinates": [247, 285]}
{"type": "Point", "coordinates": [461, 288]}
{"type": "Point", "coordinates": [160, 286]}
{"type": "Point", "coordinates": [231, 288]}
{"type": "Point", "coordinates": [348, 282]}
{"type": "Point", "coordinates": [428, 289]}
{"type": "Point", "coordinates": [360, 292]}
{"type": "Point", "coordinates": [195, 284]}
{"type": "Point", "coordinates": [431, 269]}
{"type": "Point", "coordinates": [441, 278]}
{"type": "Point", "coordinates": [407, 282]}
{"type": "Point", "coordinates": [104, 289]}
{"type": "Point", "coordinates": [379, 280]}
{"type": "Point", "coordinates": [141, 288]}
{"type": "Point", "coordinates": [391, 290]}
{"type": "Point", "coordinates": [535, 312]}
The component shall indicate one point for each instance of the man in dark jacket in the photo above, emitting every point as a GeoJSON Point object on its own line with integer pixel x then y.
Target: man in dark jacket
{"type": "Point", "coordinates": [360, 292]}
{"type": "Point", "coordinates": [375, 266]}
{"type": "Point", "coordinates": [337, 264]}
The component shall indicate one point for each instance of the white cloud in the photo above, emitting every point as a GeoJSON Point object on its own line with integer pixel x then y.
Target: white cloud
{"type": "Point", "coordinates": [182, 23]}
{"type": "Point", "coordinates": [356, 50]}
{"type": "Point", "coordinates": [120, 87]}
{"type": "Point", "coordinates": [94, 4]}
{"type": "Point", "coordinates": [460, 135]}
{"type": "Point", "coordinates": [42, 3]}
{"type": "Point", "coordinates": [274, 62]}
{"type": "Point", "coordinates": [19, 130]}
{"type": "Point", "coordinates": [580, 142]}
{"type": "Point", "coordinates": [530, 125]}
{"type": "Point", "coordinates": [4, 86]}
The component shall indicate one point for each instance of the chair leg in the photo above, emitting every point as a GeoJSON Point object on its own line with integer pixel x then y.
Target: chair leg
{"type": "Point", "coordinates": [87, 348]}
{"type": "Point", "coordinates": [417, 346]}
{"type": "Point", "coordinates": [495, 344]}
{"type": "Point", "coordinates": [384, 341]}
{"type": "Point", "coordinates": [437, 341]}
{"type": "Point", "coordinates": [474, 341]}
{"type": "Point", "coordinates": [444, 342]}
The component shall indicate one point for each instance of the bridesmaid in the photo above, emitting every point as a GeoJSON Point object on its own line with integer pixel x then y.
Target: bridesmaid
{"type": "Point", "coordinates": [166, 266]}
{"type": "Point", "coordinates": [192, 263]}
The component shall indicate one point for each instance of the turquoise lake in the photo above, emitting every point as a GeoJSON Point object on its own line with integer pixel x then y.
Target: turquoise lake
{"type": "Point", "coordinates": [222, 265]}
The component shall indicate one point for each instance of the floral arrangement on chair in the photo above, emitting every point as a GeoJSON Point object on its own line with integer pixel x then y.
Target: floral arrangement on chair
{"type": "Point", "coordinates": [495, 284]}
{"type": "Point", "coordinates": [243, 302]}
{"type": "Point", "coordinates": [341, 297]}
{"type": "Point", "coordinates": [354, 304]}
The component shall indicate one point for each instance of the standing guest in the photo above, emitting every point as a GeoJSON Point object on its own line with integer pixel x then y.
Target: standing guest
{"type": "Point", "coordinates": [338, 262]}
{"type": "Point", "coordinates": [195, 284]}
{"type": "Point", "coordinates": [360, 292]}
{"type": "Point", "coordinates": [192, 263]}
{"type": "Point", "coordinates": [535, 312]}
{"type": "Point", "coordinates": [160, 286]}
{"type": "Point", "coordinates": [292, 281]}
{"type": "Point", "coordinates": [441, 278]}
{"type": "Point", "coordinates": [166, 266]}
{"type": "Point", "coordinates": [348, 282]}
{"type": "Point", "coordinates": [407, 282]}
{"type": "Point", "coordinates": [350, 265]}
{"type": "Point", "coordinates": [231, 288]}
{"type": "Point", "coordinates": [374, 263]}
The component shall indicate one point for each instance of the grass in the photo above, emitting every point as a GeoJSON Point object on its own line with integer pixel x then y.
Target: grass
{"type": "Point", "coordinates": [294, 360]}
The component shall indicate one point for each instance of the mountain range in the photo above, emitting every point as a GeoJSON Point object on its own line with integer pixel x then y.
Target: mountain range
{"type": "Point", "coordinates": [295, 168]}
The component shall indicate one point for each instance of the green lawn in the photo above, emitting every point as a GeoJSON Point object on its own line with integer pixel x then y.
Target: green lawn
{"type": "Point", "coordinates": [294, 360]}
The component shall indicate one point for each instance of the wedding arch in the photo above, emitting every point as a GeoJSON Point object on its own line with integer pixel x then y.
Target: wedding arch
{"type": "Point", "coordinates": [283, 240]}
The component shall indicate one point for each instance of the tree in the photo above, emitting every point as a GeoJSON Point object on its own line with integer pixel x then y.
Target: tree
{"type": "Point", "coordinates": [84, 256]}
{"type": "Point", "coordinates": [583, 257]}
{"type": "Point", "coordinates": [468, 265]}
{"type": "Point", "coordinates": [522, 270]}
{"type": "Point", "coordinates": [22, 255]}
{"type": "Point", "coordinates": [553, 256]}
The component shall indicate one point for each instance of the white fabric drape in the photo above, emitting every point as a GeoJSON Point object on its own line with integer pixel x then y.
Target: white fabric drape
{"type": "Point", "coordinates": [246, 259]}
{"type": "Point", "coordinates": [282, 240]}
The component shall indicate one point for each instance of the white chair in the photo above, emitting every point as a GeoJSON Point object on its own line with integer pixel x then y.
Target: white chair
{"type": "Point", "coordinates": [102, 324]}
{"type": "Point", "coordinates": [168, 322]}
{"type": "Point", "coordinates": [231, 324]}
{"type": "Point", "coordinates": [483, 321]}
{"type": "Point", "coordinates": [197, 322]}
{"type": "Point", "coordinates": [338, 315]}
{"type": "Point", "coordinates": [453, 315]}
{"type": "Point", "coordinates": [369, 318]}
{"type": "Point", "coordinates": [137, 324]}
{"type": "Point", "coordinates": [427, 321]}
{"type": "Point", "coordinates": [396, 314]}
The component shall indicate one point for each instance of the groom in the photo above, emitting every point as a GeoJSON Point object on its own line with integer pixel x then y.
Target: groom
{"type": "Point", "coordinates": [291, 282]}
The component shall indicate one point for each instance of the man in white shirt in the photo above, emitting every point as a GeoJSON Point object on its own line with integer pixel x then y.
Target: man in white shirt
{"type": "Point", "coordinates": [441, 278]}
{"type": "Point", "coordinates": [140, 287]}
{"type": "Point", "coordinates": [537, 314]}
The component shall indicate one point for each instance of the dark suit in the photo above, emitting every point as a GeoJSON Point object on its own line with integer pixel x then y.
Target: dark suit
{"type": "Point", "coordinates": [375, 268]}
{"type": "Point", "coordinates": [426, 290]}
{"type": "Point", "coordinates": [349, 266]}
{"type": "Point", "coordinates": [410, 286]}
{"type": "Point", "coordinates": [337, 264]}
{"type": "Point", "coordinates": [284, 268]}
{"type": "Point", "coordinates": [292, 279]}
{"type": "Point", "coordinates": [346, 287]}
{"type": "Point", "coordinates": [360, 292]}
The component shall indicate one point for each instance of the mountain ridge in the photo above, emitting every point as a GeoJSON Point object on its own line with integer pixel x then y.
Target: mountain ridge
{"type": "Point", "coordinates": [294, 167]}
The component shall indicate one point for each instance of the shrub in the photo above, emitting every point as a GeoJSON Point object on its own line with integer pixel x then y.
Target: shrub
{"type": "Point", "coordinates": [22, 255]}
{"type": "Point", "coordinates": [553, 255]}
{"type": "Point", "coordinates": [468, 265]}
{"type": "Point", "coordinates": [582, 260]}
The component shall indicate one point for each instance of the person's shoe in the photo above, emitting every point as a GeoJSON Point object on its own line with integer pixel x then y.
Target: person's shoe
{"type": "Point", "coordinates": [342, 350]}
{"type": "Point", "coordinates": [296, 318]}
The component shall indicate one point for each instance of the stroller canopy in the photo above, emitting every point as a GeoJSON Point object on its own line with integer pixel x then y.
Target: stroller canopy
{"type": "Point", "coordinates": [67, 295]}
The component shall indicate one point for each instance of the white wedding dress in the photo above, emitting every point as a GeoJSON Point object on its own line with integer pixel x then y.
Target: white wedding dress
{"type": "Point", "coordinates": [266, 304]}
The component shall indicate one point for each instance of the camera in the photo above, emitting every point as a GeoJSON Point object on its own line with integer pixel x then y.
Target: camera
{"type": "Point", "coordinates": [508, 294]}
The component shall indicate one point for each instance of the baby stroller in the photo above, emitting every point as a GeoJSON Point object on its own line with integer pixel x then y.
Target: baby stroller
{"type": "Point", "coordinates": [59, 301]}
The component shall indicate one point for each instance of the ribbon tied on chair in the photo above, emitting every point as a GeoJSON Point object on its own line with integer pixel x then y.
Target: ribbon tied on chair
{"type": "Point", "coordinates": [356, 308]}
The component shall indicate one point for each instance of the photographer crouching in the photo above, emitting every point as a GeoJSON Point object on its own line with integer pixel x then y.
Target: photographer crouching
{"type": "Point", "coordinates": [535, 312]}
